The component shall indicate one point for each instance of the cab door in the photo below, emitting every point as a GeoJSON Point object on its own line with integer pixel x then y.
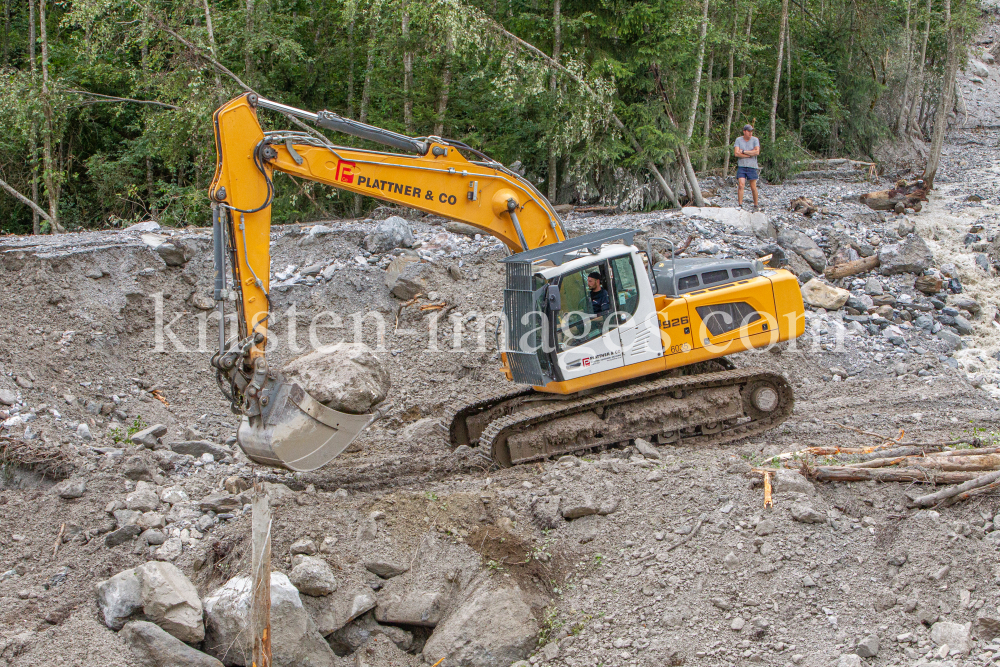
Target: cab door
{"type": "Point", "coordinates": [637, 320]}
{"type": "Point", "coordinates": [586, 342]}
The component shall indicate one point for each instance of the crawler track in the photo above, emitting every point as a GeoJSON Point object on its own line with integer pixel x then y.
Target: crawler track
{"type": "Point", "coordinates": [705, 409]}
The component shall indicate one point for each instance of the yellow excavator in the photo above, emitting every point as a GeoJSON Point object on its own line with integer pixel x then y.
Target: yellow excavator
{"type": "Point", "coordinates": [605, 341]}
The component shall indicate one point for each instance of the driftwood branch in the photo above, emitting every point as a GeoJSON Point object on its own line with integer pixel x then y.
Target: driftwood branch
{"type": "Point", "coordinates": [849, 474]}
{"type": "Point", "coordinates": [686, 538]}
{"type": "Point", "coordinates": [976, 482]}
{"type": "Point", "coordinates": [852, 268]}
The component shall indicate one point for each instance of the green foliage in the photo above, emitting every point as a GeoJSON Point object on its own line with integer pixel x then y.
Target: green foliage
{"type": "Point", "coordinates": [116, 162]}
{"type": "Point", "coordinates": [118, 435]}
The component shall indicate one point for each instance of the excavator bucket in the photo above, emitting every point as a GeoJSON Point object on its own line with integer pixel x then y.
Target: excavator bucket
{"type": "Point", "coordinates": [298, 432]}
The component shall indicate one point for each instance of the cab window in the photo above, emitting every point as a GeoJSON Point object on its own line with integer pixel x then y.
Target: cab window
{"type": "Point", "coordinates": [626, 288]}
{"type": "Point", "coordinates": [581, 318]}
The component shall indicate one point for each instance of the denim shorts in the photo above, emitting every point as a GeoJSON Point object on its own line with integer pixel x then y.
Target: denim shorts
{"type": "Point", "coordinates": [748, 173]}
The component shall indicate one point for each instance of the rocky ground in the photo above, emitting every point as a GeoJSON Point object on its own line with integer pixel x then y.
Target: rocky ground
{"type": "Point", "coordinates": [124, 504]}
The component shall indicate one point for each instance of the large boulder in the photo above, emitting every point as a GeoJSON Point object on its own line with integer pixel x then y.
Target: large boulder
{"type": "Point", "coordinates": [118, 598]}
{"type": "Point", "coordinates": [388, 234]}
{"type": "Point", "coordinates": [294, 639]}
{"type": "Point", "coordinates": [154, 647]}
{"type": "Point", "coordinates": [423, 596]}
{"type": "Point", "coordinates": [911, 255]}
{"type": "Point", "coordinates": [170, 600]}
{"type": "Point", "coordinates": [824, 295]}
{"type": "Point", "coordinates": [955, 635]}
{"type": "Point", "coordinates": [347, 377]}
{"type": "Point", "coordinates": [791, 239]}
{"type": "Point", "coordinates": [492, 627]}
{"type": "Point", "coordinates": [406, 277]}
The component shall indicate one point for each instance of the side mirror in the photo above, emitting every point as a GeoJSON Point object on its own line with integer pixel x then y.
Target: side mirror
{"type": "Point", "coordinates": [553, 300]}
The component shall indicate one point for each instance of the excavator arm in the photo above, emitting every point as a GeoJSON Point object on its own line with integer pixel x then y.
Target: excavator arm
{"type": "Point", "coordinates": [282, 424]}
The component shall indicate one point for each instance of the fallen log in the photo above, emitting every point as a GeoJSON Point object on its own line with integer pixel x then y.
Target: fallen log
{"type": "Point", "coordinates": [849, 474]}
{"type": "Point", "coordinates": [971, 493]}
{"type": "Point", "coordinates": [852, 268]}
{"type": "Point", "coordinates": [936, 462]}
{"type": "Point", "coordinates": [904, 195]}
{"type": "Point", "coordinates": [936, 497]}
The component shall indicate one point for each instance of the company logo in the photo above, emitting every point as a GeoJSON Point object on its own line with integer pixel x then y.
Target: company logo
{"type": "Point", "coordinates": [585, 361]}
{"type": "Point", "coordinates": [345, 171]}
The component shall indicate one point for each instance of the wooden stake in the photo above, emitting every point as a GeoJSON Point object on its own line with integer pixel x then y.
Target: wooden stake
{"type": "Point", "coordinates": [260, 611]}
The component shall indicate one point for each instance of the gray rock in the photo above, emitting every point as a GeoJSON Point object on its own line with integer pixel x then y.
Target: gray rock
{"type": "Point", "coordinates": [979, 68]}
{"type": "Point", "coordinates": [125, 517]}
{"type": "Point", "coordinates": [390, 233]}
{"type": "Point", "coordinates": [69, 489]}
{"type": "Point", "coordinates": [121, 536]}
{"type": "Point", "coordinates": [424, 595]}
{"type": "Point", "coordinates": [988, 625]}
{"type": "Point", "coordinates": [151, 520]}
{"type": "Point", "coordinates": [463, 229]}
{"type": "Point", "coordinates": [118, 598]}
{"type": "Point", "coordinates": [153, 647]}
{"type": "Point", "coordinates": [346, 377]}
{"type": "Point", "coordinates": [955, 635]}
{"type": "Point", "coordinates": [849, 660]}
{"type": "Point", "coordinates": [170, 600]}
{"type": "Point", "coordinates": [197, 448]}
{"type": "Point", "coordinates": [332, 612]}
{"type": "Point", "coordinates": [365, 631]}
{"type": "Point", "coordinates": [765, 527]}
{"type": "Point", "coordinates": [963, 326]}
{"type": "Point", "coordinates": [173, 254]}
{"type": "Point", "coordinates": [312, 576]}
{"type": "Point", "coordinates": [202, 302]}
{"type": "Point", "coordinates": [965, 303]}
{"type": "Point", "coordinates": [83, 432]}
{"type": "Point", "coordinates": [386, 569]}
{"type": "Point", "coordinates": [806, 514]}
{"type": "Point", "coordinates": [790, 481]}
{"type": "Point", "coordinates": [868, 647]}
{"type": "Point", "coordinates": [294, 639]}
{"type": "Point", "coordinates": [804, 246]}
{"type": "Point", "coordinates": [953, 340]}
{"type": "Point", "coordinates": [873, 287]}
{"type": "Point", "coordinates": [646, 449]}
{"type": "Point", "coordinates": [145, 226]}
{"type": "Point", "coordinates": [545, 511]}
{"type": "Point", "coordinates": [911, 255]}
{"type": "Point", "coordinates": [143, 499]}
{"type": "Point", "coordinates": [220, 503]}
{"type": "Point", "coordinates": [149, 437]}
{"type": "Point", "coordinates": [304, 546]}
{"type": "Point", "coordinates": [174, 494]}
{"type": "Point", "coordinates": [491, 627]}
{"type": "Point", "coordinates": [183, 512]}
{"type": "Point", "coordinates": [407, 277]}
{"type": "Point", "coordinates": [731, 561]}
{"type": "Point", "coordinates": [170, 550]}
{"type": "Point", "coordinates": [7, 397]}
{"type": "Point", "coordinates": [153, 537]}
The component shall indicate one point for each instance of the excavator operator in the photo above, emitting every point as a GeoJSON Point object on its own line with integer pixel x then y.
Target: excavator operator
{"type": "Point", "coordinates": [598, 295]}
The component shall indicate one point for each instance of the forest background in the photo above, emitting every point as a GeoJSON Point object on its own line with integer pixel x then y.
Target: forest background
{"type": "Point", "coordinates": [106, 105]}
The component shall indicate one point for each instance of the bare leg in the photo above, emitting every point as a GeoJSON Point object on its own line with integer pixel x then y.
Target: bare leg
{"type": "Point", "coordinates": [753, 189]}
{"type": "Point", "coordinates": [739, 191]}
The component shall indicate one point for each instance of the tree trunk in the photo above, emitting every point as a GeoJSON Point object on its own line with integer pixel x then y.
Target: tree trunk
{"type": "Point", "coordinates": [777, 69]}
{"type": "Point", "coordinates": [350, 63]}
{"type": "Point", "coordinates": [945, 100]}
{"type": "Point", "coordinates": [916, 109]}
{"type": "Point", "coordinates": [743, 71]}
{"type": "Point", "coordinates": [51, 183]}
{"type": "Point", "coordinates": [697, 72]}
{"type": "Point", "coordinates": [556, 53]}
{"type": "Point", "coordinates": [788, 69]}
{"type": "Point", "coordinates": [707, 129]}
{"type": "Point", "coordinates": [248, 44]}
{"type": "Point", "coordinates": [449, 45]}
{"type": "Point", "coordinates": [366, 90]}
{"type": "Point", "coordinates": [729, 94]}
{"type": "Point", "coordinates": [6, 32]}
{"type": "Point", "coordinates": [903, 108]}
{"type": "Point", "coordinates": [35, 220]}
{"type": "Point", "coordinates": [150, 183]}
{"type": "Point", "coordinates": [407, 71]}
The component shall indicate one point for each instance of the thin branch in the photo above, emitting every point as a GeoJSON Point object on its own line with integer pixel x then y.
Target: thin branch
{"type": "Point", "coordinates": [199, 52]}
{"type": "Point", "coordinates": [110, 98]}
{"type": "Point", "coordinates": [24, 200]}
